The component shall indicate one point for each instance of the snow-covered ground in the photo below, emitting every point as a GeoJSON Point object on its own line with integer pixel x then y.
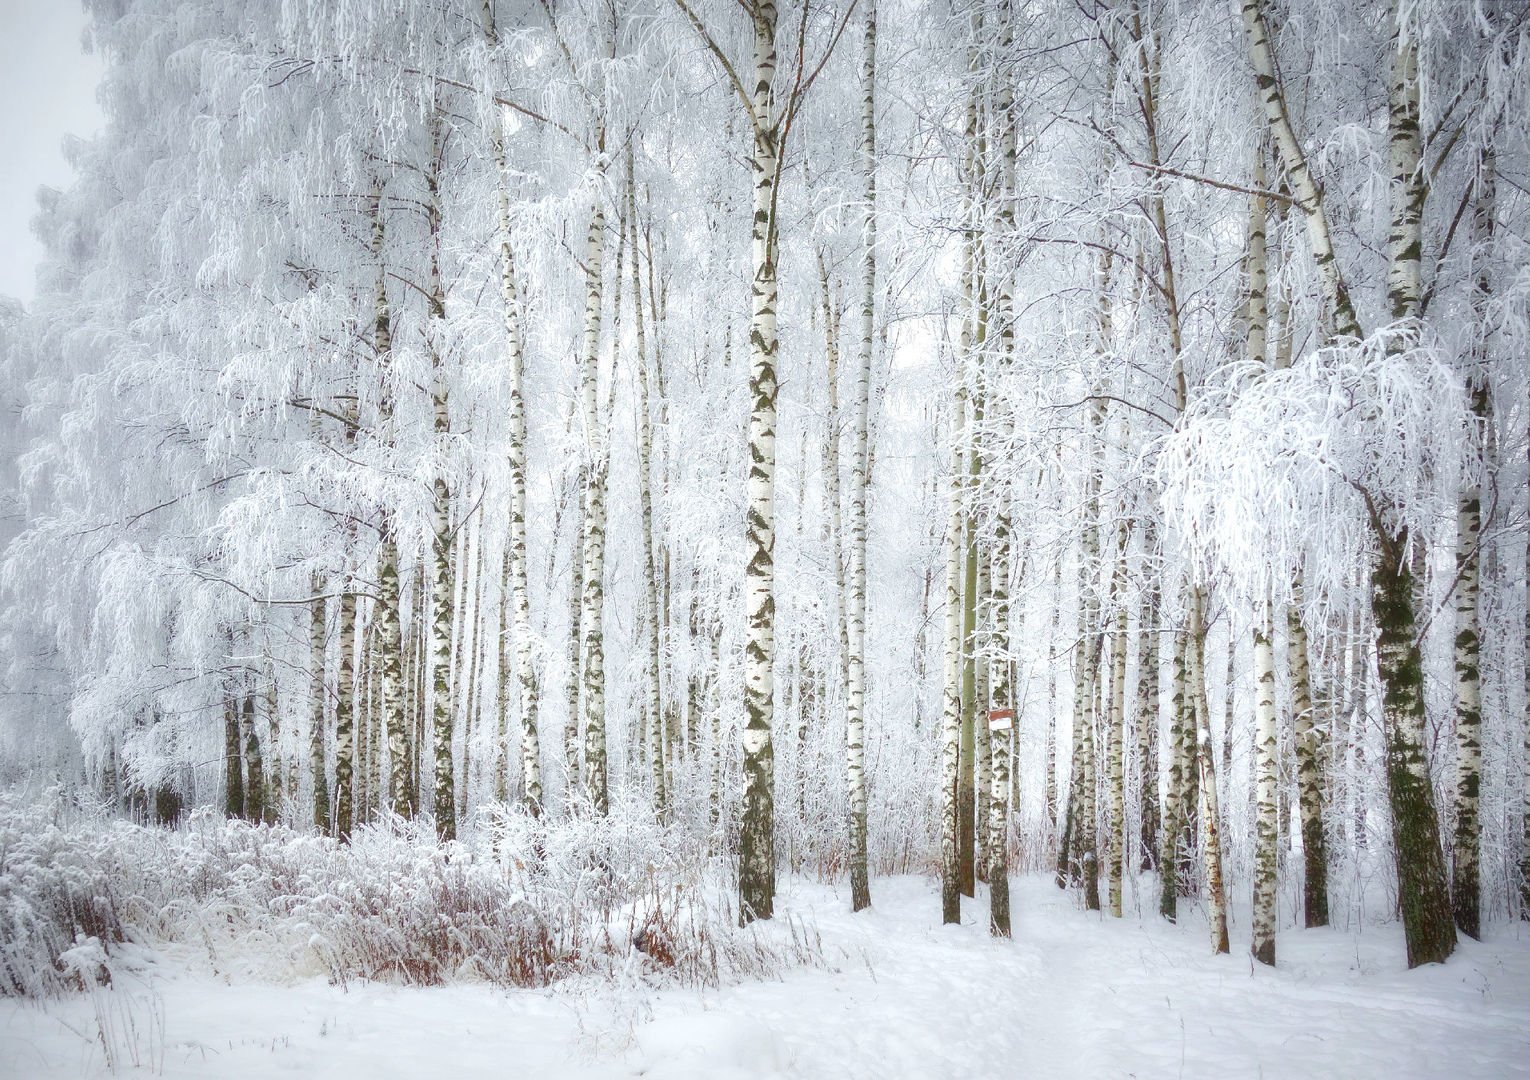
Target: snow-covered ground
{"type": "Point", "coordinates": [1074, 994]}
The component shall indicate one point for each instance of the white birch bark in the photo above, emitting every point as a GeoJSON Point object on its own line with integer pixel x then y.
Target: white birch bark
{"type": "Point", "coordinates": [855, 711]}
{"type": "Point", "coordinates": [1205, 758]}
{"type": "Point", "coordinates": [443, 712]}
{"type": "Point", "coordinates": [1001, 738]}
{"type": "Point", "coordinates": [233, 758]}
{"type": "Point", "coordinates": [1309, 198]}
{"type": "Point", "coordinates": [1267, 820]}
{"type": "Point", "coordinates": [389, 599]}
{"type": "Point", "coordinates": [1466, 884]}
{"type": "Point", "coordinates": [982, 751]}
{"type": "Point", "coordinates": [255, 792]}
{"type": "Point", "coordinates": [345, 718]}
{"type": "Point", "coordinates": [1428, 921]}
{"type": "Point", "coordinates": [1174, 808]}
{"type": "Point", "coordinates": [1309, 771]}
{"type": "Point", "coordinates": [1524, 807]}
{"type": "Point", "coordinates": [516, 557]}
{"type": "Point", "coordinates": [571, 732]}
{"type": "Point", "coordinates": [757, 862]}
{"type": "Point", "coordinates": [829, 309]}
{"type": "Point", "coordinates": [653, 685]}
{"type": "Point", "coordinates": [317, 647]}
{"type": "Point", "coordinates": [1053, 703]}
{"type": "Point", "coordinates": [592, 595]}
{"type": "Point", "coordinates": [1147, 717]}
{"type": "Point", "coordinates": [1115, 729]}
{"type": "Point", "coordinates": [951, 699]}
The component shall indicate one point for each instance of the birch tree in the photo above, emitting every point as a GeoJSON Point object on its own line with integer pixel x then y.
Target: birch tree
{"type": "Point", "coordinates": [855, 729]}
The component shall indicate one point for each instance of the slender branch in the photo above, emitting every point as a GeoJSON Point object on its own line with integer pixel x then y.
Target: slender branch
{"type": "Point", "coordinates": [498, 99]}
{"type": "Point", "coordinates": [802, 86]}
{"type": "Point", "coordinates": [1196, 178]}
{"type": "Point", "coordinates": [722, 58]}
{"type": "Point", "coordinates": [1118, 400]}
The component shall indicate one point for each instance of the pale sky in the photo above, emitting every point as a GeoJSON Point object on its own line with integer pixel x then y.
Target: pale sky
{"type": "Point", "coordinates": [49, 86]}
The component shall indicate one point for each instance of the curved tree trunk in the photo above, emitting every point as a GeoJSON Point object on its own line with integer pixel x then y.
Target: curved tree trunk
{"type": "Point", "coordinates": [1309, 197]}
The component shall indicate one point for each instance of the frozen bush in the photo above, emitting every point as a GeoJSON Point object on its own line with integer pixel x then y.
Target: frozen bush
{"type": "Point", "coordinates": [518, 902]}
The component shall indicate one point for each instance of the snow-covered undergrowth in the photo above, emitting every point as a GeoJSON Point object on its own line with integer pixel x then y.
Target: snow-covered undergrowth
{"type": "Point", "coordinates": [899, 997]}
{"type": "Point", "coordinates": [516, 903]}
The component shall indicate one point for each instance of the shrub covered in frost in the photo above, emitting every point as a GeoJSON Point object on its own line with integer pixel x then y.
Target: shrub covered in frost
{"type": "Point", "coordinates": [517, 902]}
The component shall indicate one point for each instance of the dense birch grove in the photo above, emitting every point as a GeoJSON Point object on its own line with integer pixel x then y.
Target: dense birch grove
{"type": "Point", "coordinates": [959, 438]}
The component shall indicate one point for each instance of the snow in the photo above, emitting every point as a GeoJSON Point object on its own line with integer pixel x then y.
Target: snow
{"type": "Point", "coordinates": [1074, 994]}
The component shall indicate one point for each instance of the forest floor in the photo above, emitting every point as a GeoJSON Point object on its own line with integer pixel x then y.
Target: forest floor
{"type": "Point", "coordinates": [900, 996]}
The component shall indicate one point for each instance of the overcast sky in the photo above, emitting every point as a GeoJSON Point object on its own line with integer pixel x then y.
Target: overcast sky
{"type": "Point", "coordinates": [49, 86]}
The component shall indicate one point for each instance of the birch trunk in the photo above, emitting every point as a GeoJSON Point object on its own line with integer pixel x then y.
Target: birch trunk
{"type": "Point", "coordinates": [1466, 886]}
{"type": "Point", "coordinates": [855, 710]}
{"type": "Point", "coordinates": [1052, 701]}
{"type": "Point", "coordinates": [645, 499]}
{"type": "Point", "coordinates": [518, 574]}
{"type": "Point", "coordinates": [1091, 646]}
{"type": "Point", "coordinates": [1424, 896]}
{"type": "Point", "coordinates": [469, 646]}
{"type": "Point", "coordinates": [443, 710]}
{"type": "Point", "coordinates": [345, 719]}
{"type": "Point", "coordinates": [365, 751]}
{"type": "Point", "coordinates": [1524, 808]}
{"type": "Point", "coordinates": [592, 596]}
{"type": "Point", "coordinates": [233, 760]}
{"type": "Point", "coordinates": [1115, 731]}
{"type": "Point", "coordinates": [1423, 886]}
{"type": "Point", "coordinates": [389, 614]}
{"type": "Point", "coordinates": [1147, 721]}
{"type": "Point", "coordinates": [1086, 813]}
{"type": "Point", "coordinates": [829, 309]}
{"type": "Point", "coordinates": [1001, 730]}
{"type": "Point", "coordinates": [982, 751]}
{"type": "Point", "coordinates": [1309, 772]}
{"type": "Point", "coordinates": [1174, 805]}
{"type": "Point", "coordinates": [1189, 872]}
{"type": "Point", "coordinates": [1001, 722]}
{"type": "Point", "coordinates": [317, 641]}
{"type": "Point", "coordinates": [1267, 818]}
{"type": "Point", "coordinates": [571, 732]}
{"type": "Point", "coordinates": [255, 773]}
{"type": "Point", "coordinates": [757, 862]}
{"type": "Point", "coordinates": [1309, 198]}
{"type": "Point", "coordinates": [1216, 900]}
{"type": "Point", "coordinates": [951, 712]}
{"type": "Point", "coordinates": [965, 477]}
{"type": "Point", "coordinates": [966, 796]}
{"type": "Point", "coordinates": [276, 770]}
